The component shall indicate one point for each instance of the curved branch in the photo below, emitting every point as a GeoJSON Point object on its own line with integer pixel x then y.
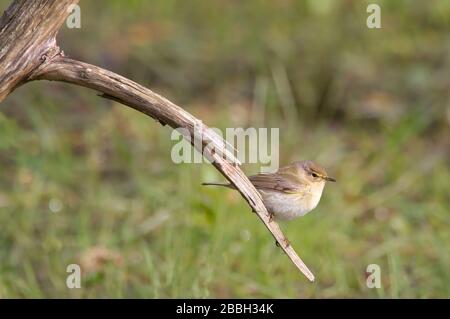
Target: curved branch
{"type": "Point", "coordinates": [127, 92]}
{"type": "Point", "coordinates": [28, 51]}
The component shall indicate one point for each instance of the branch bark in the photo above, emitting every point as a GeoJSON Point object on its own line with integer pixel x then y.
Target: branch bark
{"type": "Point", "coordinates": [21, 60]}
{"type": "Point", "coordinates": [27, 38]}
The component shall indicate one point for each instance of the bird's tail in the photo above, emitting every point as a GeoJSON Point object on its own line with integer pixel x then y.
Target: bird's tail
{"type": "Point", "coordinates": [217, 184]}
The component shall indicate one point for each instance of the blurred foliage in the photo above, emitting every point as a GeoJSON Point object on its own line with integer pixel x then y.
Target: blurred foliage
{"type": "Point", "coordinates": [85, 180]}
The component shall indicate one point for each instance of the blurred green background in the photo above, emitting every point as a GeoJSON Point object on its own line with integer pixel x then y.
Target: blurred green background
{"type": "Point", "coordinates": [85, 180]}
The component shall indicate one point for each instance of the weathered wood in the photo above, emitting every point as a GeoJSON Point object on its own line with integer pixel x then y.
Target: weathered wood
{"type": "Point", "coordinates": [27, 38]}
{"type": "Point", "coordinates": [23, 63]}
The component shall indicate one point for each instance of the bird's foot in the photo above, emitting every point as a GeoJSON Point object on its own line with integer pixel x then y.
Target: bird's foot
{"type": "Point", "coordinates": [271, 217]}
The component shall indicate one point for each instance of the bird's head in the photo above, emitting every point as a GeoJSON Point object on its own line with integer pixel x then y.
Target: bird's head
{"type": "Point", "coordinates": [312, 172]}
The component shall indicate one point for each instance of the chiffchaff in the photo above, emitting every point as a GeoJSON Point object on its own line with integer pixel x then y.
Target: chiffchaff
{"type": "Point", "coordinates": [292, 191]}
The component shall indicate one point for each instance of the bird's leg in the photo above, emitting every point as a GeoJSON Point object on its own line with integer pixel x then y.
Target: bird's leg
{"type": "Point", "coordinates": [271, 217]}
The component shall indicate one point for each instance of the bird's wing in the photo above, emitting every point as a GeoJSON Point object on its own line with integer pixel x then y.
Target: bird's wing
{"type": "Point", "coordinates": [286, 183]}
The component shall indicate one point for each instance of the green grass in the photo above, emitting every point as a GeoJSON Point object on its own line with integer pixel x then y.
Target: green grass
{"type": "Point", "coordinates": [78, 172]}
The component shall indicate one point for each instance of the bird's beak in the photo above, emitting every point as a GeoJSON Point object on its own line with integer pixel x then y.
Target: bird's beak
{"type": "Point", "coordinates": [330, 179]}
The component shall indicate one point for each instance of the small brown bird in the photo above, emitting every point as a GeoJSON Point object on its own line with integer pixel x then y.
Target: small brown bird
{"type": "Point", "coordinates": [292, 191]}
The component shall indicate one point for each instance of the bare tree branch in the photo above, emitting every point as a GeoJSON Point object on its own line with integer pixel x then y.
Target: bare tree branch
{"type": "Point", "coordinates": [24, 53]}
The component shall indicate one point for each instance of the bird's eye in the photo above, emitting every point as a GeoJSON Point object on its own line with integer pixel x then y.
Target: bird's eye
{"type": "Point", "coordinates": [314, 175]}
